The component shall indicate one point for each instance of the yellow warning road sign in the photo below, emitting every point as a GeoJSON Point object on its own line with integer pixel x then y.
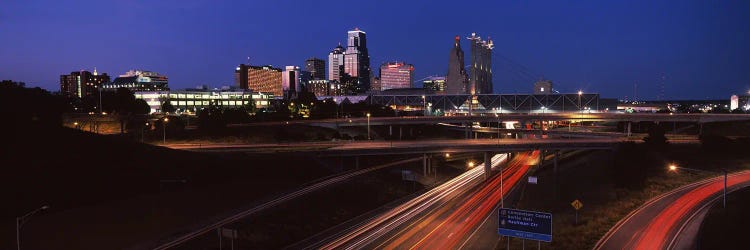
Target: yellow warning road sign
{"type": "Point", "coordinates": [577, 204]}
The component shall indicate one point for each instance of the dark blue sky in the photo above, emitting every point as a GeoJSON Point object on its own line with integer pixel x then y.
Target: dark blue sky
{"type": "Point", "coordinates": [701, 48]}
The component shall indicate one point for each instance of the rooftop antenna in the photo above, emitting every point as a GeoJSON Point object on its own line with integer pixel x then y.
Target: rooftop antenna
{"type": "Point", "coordinates": [663, 83]}
{"type": "Point", "coordinates": [248, 60]}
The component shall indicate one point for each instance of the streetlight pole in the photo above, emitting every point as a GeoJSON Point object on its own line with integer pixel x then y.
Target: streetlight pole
{"type": "Point", "coordinates": [498, 130]}
{"type": "Point", "coordinates": [424, 106]}
{"type": "Point", "coordinates": [22, 220]}
{"type": "Point", "coordinates": [724, 171]}
{"type": "Point", "coordinates": [164, 125]}
{"type": "Point", "coordinates": [143, 131]}
{"type": "Point", "coordinates": [579, 100]}
{"type": "Point", "coordinates": [100, 99]}
{"type": "Point", "coordinates": [368, 126]}
{"type": "Point", "coordinates": [337, 107]}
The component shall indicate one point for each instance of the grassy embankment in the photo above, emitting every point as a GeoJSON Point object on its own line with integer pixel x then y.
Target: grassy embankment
{"type": "Point", "coordinates": [726, 228]}
{"type": "Point", "coordinates": [121, 192]}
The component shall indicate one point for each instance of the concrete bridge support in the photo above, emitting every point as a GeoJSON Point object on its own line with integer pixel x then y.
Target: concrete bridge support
{"type": "Point", "coordinates": [628, 129]}
{"type": "Point", "coordinates": [554, 172]}
{"type": "Point", "coordinates": [554, 162]}
{"type": "Point", "coordinates": [487, 165]}
{"type": "Point", "coordinates": [468, 130]}
{"type": "Point", "coordinates": [426, 164]}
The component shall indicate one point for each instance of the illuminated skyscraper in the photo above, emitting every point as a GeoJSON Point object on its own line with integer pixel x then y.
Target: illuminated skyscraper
{"type": "Point", "coordinates": [480, 81]}
{"type": "Point", "coordinates": [290, 81]}
{"type": "Point", "coordinates": [357, 61]}
{"type": "Point", "coordinates": [336, 63]}
{"type": "Point", "coordinates": [396, 75]}
{"type": "Point", "coordinates": [456, 80]}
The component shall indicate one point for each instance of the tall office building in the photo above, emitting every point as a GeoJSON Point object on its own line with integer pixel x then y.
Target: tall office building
{"type": "Point", "coordinates": [139, 80]}
{"type": "Point", "coordinates": [82, 83]}
{"type": "Point", "coordinates": [434, 83]}
{"type": "Point", "coordinates": [316, 67]}
{"type": "Point", "coordinates": [357, 61]}
{"type": "Point", "coordinates": [481, 65]}
{"type": "Point", "coordinates": [456, 80]}
{"type": "Point", "coordinates": [396, 75]}
{"type": "Point", "coordinates": [336, 63]}
{"type": "Point", "coordinates": [265, 79]}
{"type": "Point", "coordinates": [290, 81]}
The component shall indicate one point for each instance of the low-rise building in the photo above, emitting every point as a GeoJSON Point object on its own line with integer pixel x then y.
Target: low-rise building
{"type": "Point", "coordinates": [324, 87]}
{"type": "Point", "coordinates": [139, 80]}
{"type": "Point", "coordinates": [434, 83]}
{"type": "Point", "coordinates": [190, 101]}
{"type": "Point", "coordinates": [543, 87]}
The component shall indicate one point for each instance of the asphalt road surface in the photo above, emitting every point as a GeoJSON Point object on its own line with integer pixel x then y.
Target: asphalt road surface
{"type": "Point", "coordinates": [661, 222]}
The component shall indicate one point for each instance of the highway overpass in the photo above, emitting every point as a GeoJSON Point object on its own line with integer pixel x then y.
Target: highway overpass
{"type": "Point", "coordinates": [359, 148]}
{"type": "Point", "coordinates": [578, 117]}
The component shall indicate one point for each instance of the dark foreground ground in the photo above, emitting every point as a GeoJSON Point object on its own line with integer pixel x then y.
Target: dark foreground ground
{"type": "Point", "coordinates": [727, 228]}
{"type": "Point", "coordinates": [106, 192]}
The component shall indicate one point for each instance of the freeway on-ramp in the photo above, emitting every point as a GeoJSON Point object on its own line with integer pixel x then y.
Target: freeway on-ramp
{"type": "Point", "coordinates": [660, 223]}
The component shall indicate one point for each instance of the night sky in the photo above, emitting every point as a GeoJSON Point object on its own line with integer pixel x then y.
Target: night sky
{"type": "Point", "coordinates": [697, 49]}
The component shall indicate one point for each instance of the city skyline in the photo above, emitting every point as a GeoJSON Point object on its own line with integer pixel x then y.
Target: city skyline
{"type": "Point", "coordinates": [607, 48]}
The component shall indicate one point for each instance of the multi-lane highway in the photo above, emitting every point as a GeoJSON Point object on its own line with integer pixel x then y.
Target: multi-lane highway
{"type": "Point", "coordinates": [442, 218]}
{"type": "Point", "coordinates": [661, 222]}
{"type": "Point", "coordinates": [408, 120]}
{"type": "Point", "coordinates": [409, 147]}
{"type": "Point", "coordinates": [371, 230]}
{"type": "Point", "coordinates": [451, 227]}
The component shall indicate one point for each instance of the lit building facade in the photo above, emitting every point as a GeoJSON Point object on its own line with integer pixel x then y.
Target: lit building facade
{"type": "Point", "coordinates": [290, 81]}
{"type": "Point", "coordinates": [357, 61]}
{"type": "Point", "coordinates": [324, 87]}
{"type": "Point", "coordinates": [739, 102]}
{"type": "Point", "coordinates": [190, 101]}
{"type": "Point", "coordinates": [140, 80]}
{"type": "Point", "coordinates": [82, 83]}
{"type": "Point", "coordinates": [434, 83]}
{"type": "Point", "coordinates": [265, 79]}
{"type": "Point", "coordinates": [336, 63]}
{"type": "Point", "coordinates": [316, 67]}
{"type": "Point", "coordinates": [457, 80]}
{"type": "Point", "coordinates": [396, 75]}
{"type": "Point", "coordinates": [480, 81]}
